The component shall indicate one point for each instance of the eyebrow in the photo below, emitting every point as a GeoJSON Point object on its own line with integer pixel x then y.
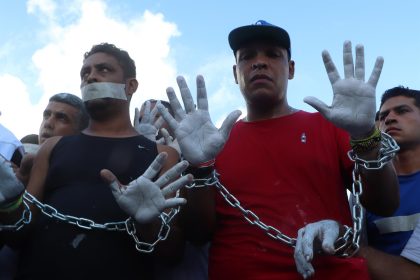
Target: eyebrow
{"type": "Point", "coordinates": [97, 66]}
{"type": "Point", "coordinates": [386, 112]}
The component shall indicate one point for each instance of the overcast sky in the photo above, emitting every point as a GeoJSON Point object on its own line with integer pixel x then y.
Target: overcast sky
{"type": "Point", "coordinates": [42, 43]}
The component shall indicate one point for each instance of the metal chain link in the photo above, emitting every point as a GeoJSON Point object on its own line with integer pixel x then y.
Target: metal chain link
{"type": "Point", "coordinates": [249, 216]}
{"type": "Point", "coordinates": [24, 220]}
{"type": "Point", "coordinates": [164, 230]}
{"type": "Point", "coordinates": [348, 244]}
{"type": "Point", "coordinates": [128, 225]}
{"type": "Point", "coordinates": [84, 223]}
{"type": "Point", "coordinates": [389, 148]}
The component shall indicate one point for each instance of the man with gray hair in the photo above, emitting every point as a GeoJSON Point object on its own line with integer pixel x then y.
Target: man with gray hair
{"type": "Point", "coordinates": [65, 114]}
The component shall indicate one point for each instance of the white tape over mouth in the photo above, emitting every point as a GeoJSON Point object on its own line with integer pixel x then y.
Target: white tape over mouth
{"type": "Point", "coordinates": [103, 90]}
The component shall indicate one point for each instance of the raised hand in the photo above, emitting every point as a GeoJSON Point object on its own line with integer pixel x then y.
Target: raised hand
{"type": "Point", "coordinates": [144, 199]}
{"type": "Point", "coordinates": [324, 232]}
{"type": "Point", "coordinates": [198, 138]}
{"type": "Point", "coordinates": [10, 187]}
{"type": "Point", "coordinates": [354, 103]}
{"type": "Point", "coordinates": [148, 126]}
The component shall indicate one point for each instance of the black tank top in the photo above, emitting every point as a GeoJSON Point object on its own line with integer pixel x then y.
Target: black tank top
{"type": "Point", "coordinates": [57, 250]}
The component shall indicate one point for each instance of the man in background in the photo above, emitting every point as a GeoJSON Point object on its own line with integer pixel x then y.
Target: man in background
{"type": "Point", "coordinates": [394, 242]}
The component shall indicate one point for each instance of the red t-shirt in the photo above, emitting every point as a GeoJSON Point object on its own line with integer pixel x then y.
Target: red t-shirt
{"type": "Point", "coordinates": [289, 171]}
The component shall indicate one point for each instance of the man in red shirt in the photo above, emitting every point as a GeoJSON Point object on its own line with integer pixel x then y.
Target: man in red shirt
{"type": "Point", "coordinates": [282, 172]}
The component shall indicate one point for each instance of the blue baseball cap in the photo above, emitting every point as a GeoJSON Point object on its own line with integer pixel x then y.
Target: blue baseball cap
{"type": "Point", "coordinates": [261, 30]}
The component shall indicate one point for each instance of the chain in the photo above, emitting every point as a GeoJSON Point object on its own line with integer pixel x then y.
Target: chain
{"type": "Point", "coordinates": [348, 244]}
{"type": "Point", "coordinates": [24, 220]}
{"type": "Point", "coordinates": [128, 225]}
{"type": "Point", "coordinates": [84, 223]}
{"type": "Point", "coordinates": [387, 152]}
{"type": "Point", "coordinates": [249, 216]}
{"type": "Point", "coordinates": [164, 230]}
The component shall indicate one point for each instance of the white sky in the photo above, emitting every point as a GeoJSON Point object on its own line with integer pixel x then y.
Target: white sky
{"type": "Point", "coordinates": [42, 43]}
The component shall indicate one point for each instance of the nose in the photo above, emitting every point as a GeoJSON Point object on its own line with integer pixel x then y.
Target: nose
{"type": "Point", "coordinates": [48, 122]}
{"type": "Point", "coordinates": [258, 65]}
{"type": "Point", "coordinates": [90, 77]}
{"type": "Point", "coordinates": [390, 118]}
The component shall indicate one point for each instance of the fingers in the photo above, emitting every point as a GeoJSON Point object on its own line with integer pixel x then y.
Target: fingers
{"type": "Point", "coordinates": [173, 124]}
{"type": "Point", "coordinates": [228, 123]}
{"type": "Point", "coordinates": [112, 181]}
{"type": "Point", "coordinates": [307, 242]}
{"type": "Point", "coordinates": [376, 72]}
{"type": "Point", "coordinates": [174, 202]}
{"type": "Point", "coordinates": [155, 166]}
{"type": "Point", "coordinates": [176, 185]}
{"type": "Point", "coordinates": [348, 60]}
{"type": "Point", "coordinates": [146, 113]}
{"type": "Point", "coordinates": [318, 105]}
{"type": "Point", "coordinates": [166, 136]}
{"type": "Point", "coordinates": [330, 236]}
{"type": "Point", "coordinates": [202, 103]}
{"type": "Point", "coordinates": [331, 230]}
{"type": "Point", "coordinates": [172, 173]}
{"type": "Point", "coordinates": [136, 117]}
{"type": "Point", "coordinates": [360, 63]}
{"type": "Point", "coordinates": [186, 95]}
{"type": "Point", "coordinates": [159, 122]}
{"type": "Point", "coordinates": [175, 105]}
{"type": "Point", "coordinates": [152, 114]}
{"type": "Point", "coordinates": [304, 267]}
{"type": "Point", "coordinates": [330, 67]}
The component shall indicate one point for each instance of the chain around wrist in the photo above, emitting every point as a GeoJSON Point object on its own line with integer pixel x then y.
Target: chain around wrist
{"type": "Point", "coordinates": [367, 144]}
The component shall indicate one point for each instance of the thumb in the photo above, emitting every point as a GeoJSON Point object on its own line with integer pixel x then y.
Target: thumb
{"type": "Point", "coordinates": [229, 122]}
{"type": "Point", "coordinates": [136, 117]}
{"type": "Point", "coordinates": [318, 105]}
{"type": "Point", "coordinates": [112, 181]}
{"type": "Point", "coordinates": [330, 235]}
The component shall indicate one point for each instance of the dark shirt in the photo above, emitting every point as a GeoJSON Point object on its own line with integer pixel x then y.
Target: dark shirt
{"type": "Point", "coordinates": [58, 250]}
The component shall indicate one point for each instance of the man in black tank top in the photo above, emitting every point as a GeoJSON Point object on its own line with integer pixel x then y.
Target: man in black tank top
{"type": "Point", "coordinates": [103, 188]}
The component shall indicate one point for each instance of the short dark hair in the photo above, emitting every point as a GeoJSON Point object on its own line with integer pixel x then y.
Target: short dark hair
{"type": "Point", "coordinates": [401, 91]}
{"type": "Point", "coordinates": [165, 103]}
{"type": "Point", "coordinates": [122, 56]}
{"type": "Point", "coordinates": [76, 102]}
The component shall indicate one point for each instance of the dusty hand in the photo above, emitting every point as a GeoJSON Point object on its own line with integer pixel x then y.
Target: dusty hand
{"type": "Point", "coordinates": [10, 187]}
{"type": "Point", "coordinates": [144, 199]}
{"type": "Point", "coordinates": [354, 104]}
{"type": "Point", "coordinates": [198, 138]}
{"type": "Point", "coordinates": [148, 126]}
{"type": "Point", "coordinates": [324, 232]}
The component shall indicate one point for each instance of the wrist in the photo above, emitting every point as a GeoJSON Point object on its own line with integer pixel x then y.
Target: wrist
{"type": "Point", "coordinates": [202, 170]}
{"type": "Point", "coordinates": [367, 144]}
{"type": "Point", "coordinates": [209, 163]}
{"type": "Point", "coordinates": [11, 206]}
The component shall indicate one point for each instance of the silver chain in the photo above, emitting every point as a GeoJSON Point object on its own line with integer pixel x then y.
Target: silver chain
{"type": "Point", "coordinates": [164, 230]}
{"type": "Point", "coordinates": [24, 220]}
{"type": "Point", "coordinates": [387, 152]}
{"type": "Point", "coordinates": [128, 225]}
{"type": "Point", "coordinates": [84, 223]}
{"type": "Point", "coordinates": [348, 244]}
{"type": "Point", "coordinates": [249, 216]}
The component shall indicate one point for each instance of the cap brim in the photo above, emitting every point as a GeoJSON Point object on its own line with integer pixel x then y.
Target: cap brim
{"type": "Point", "coordinates": [245, 34]}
